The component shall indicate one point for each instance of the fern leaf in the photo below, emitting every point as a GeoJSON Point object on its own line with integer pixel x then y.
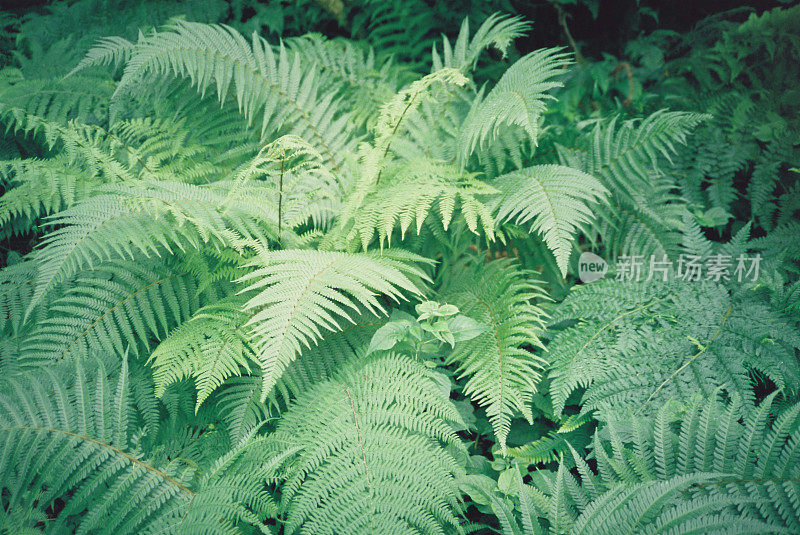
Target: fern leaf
{"type": "Point", "coordinates": [374, 434]}
{"type": "Point", "coordinates": [301, 294]}
{"type": "Point", "coordinates": [555, 200]}
{"type": "Point", "coordinates": [115, 308]}
{"type": "Point", "coordinates": [517, 99]}
{"type": "Point", "coordinates": [501, 369]}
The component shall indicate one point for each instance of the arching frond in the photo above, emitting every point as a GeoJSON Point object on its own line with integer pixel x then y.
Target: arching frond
{"type": "Point", "coordinates": [301, 294]}
{"type": "Point", "coordinates": [120, 306]}
{"type": "Point", "coordinates": [67, 435]}
{"type": "Point", "coordinates": [556, 201]}
{"type": "Point", "coordinates": [278, 90]}
{"type": "Point", "coordinates": [374, 434]}
{"type": "Point", "coordinates": [128, 221]}
{"type": "Point", "coordinates": [497, 31]}
{"type": "Point", "coordinates": [501, 369]}
{"type": "Point", "coordinates": [517, 99]}
{"type": "Point", "coordinates": [637, 345]}
{"type": "Point", "coordinates": [212, 346]}
{"type": "Point", "coordinates": [645, 216]}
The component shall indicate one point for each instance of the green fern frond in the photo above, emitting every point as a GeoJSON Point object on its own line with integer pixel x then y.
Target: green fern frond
{"type": "Point", "coordinates": [555, 200]}
{"type": "Point", "coordinates": [80, 99]}
{"type": "Point", "coordinates": [725, 479]}
{"type": "Point", "coordinates": [645, 216]}
{"type": "Point", "coordinates": [497, 31]}
{"type": "Point", "coordinates": [412, 192]}
{"type": "Point", "coordinates": [374, 157]}
{"type": "Point", "coordinates": [351, 71]}
{"type": "Point", "coordinates": [637, 345]}
{"type": "Point", "coordinates": [374, 434]}
{"type": "Point", "coordinates": [518, 99]}
{"type": "Point", "coordinates": [49, 414]}
{"type": "Point", "coordinates": [116, 307]}
{"type": "Point", "coordinates": [210, 347]}
{"type": "Point", "coordinates": [501, 369]}
{"type": "Point", "coordinates": [278, 88]}
{"type": "Point", "coordinates": [128, 221]}
{"type": "Point", "coordinates": [38, 188]}
{"type": "Point", "coordinates": [301, 294]}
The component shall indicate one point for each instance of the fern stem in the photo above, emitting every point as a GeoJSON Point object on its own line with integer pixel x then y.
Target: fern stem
{"type": "Point", "coordinates": [394, 132]}
{"type": "Point", "coordinates": [280, 200]}
{"type": "Point", "coordinates": [688, 362]}
{"type": "Point", "coordinates": [361, 446]}
{"type": "Point", "coordinates": [116, 450]}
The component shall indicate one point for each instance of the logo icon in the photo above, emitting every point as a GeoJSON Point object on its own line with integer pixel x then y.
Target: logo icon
{"type": "Point", "coordinates": [591, 267]}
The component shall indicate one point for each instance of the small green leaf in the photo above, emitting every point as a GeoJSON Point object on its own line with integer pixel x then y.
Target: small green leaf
{"type": "Point", "coordinates": [389, 335]}
{"type": "Point", "coordinates": [465, 328]}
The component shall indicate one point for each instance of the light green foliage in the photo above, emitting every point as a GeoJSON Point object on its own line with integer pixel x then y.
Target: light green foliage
{"type": "Point", "coordinates": [371, 455]}
{"type": "Point", "coordinates": [300, 294]}
{"type": "Point", "coordinates": [502, 372]}
{"type": "Point", "coordinates": [700, 467]}
{"type": "Point", "coordinates": [312, 267]}
{"type": "Point", "coordinates": [518, 99]}
{"type": "Point", "coordinates": [555, 200]}
{"type": "Point", "coordinates": [70, 430]}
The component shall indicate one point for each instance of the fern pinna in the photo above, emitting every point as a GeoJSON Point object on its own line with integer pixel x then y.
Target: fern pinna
{"type": "Point", "coordinates": [260, 280]}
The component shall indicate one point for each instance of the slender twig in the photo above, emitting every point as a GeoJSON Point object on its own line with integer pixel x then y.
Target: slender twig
{"type": "Point", "coordinates": [280, 199]}
{"type": "Point", "coordinates": [562, 20]}
{"type": "Point", "coordinates": [690, 360]}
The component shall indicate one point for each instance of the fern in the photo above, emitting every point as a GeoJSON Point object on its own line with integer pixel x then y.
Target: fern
{"type": "Point", "coordinates": [502, 370]}
{"type": "Point", "coordinates": [374, 434]}
{"type": "Point", "coordinates": [278, 88]}
{"type": "Point", "coordinates": [554, 199]}
{"type": "Point", "coordinates": [301, 294]}
{"type": "Point", "coordinates": [712, 473]}
{"type": "Point", "coordinates": [210, 347]}
{"type": "Point", "coordinates": [517, 99]}
{"type": "Point", "coordinates": [410, 195]}
{"type": "Point", "coordinates": [326, 284]}
{"type": "Point", "coordinates": [637, 345]}
{"type": "Point", "coordinates": [118, 307]}
{"type": "Point", "coordinates": [497, 31]}
{"type": "Point", "coordinates": [646, 215]}
{"type": "Point", "coordinates": [47, 417]}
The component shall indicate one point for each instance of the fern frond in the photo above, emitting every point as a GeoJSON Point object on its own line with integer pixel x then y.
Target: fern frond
{"type": "Point", "coordinates": [374, 434]}
{"type": "Point", "coordinates": [412, 193]}
{"type": "Point", "coordinates": [279, 88]}
{"type": "Point", "coordinates": [555, 200]}
{"type": "Point", "coordinates": [637, 345]}
{"type": "Point", "coordinates": [301, 294]}
{"type": "Point", "coordinates": [113, 51]}
{"type": "Point", "coordinates": [727, 479]}
{"type": "Point", "coordinates": [645, 216]}
{"type": "Point", "coordinates": [128, 221]}
{"type": "Point", "coordinates": [68, 431]}
{"type": "Point", "coordinates": [118, 306]}
{"type": "Point", "coordinates": [351, 71]}
{"type": "Point", "coordinates": [497, 31]}
{"type": "Point", "coordinates": [518, 99]}
{"type": "Point", "coordinates": [374, 157]}
{"type": "Point", "coordinates": [501, 369]}
{"type": "Point", "coordinates": [38, 188]}
{"type": "Point", "coordinates": [81, 99]}
{"type": "Point", "coordinates": [212, 346]}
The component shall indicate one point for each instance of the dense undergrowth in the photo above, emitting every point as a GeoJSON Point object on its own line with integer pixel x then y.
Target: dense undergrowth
{"type": "Point", "coordinates": [257, 279]}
